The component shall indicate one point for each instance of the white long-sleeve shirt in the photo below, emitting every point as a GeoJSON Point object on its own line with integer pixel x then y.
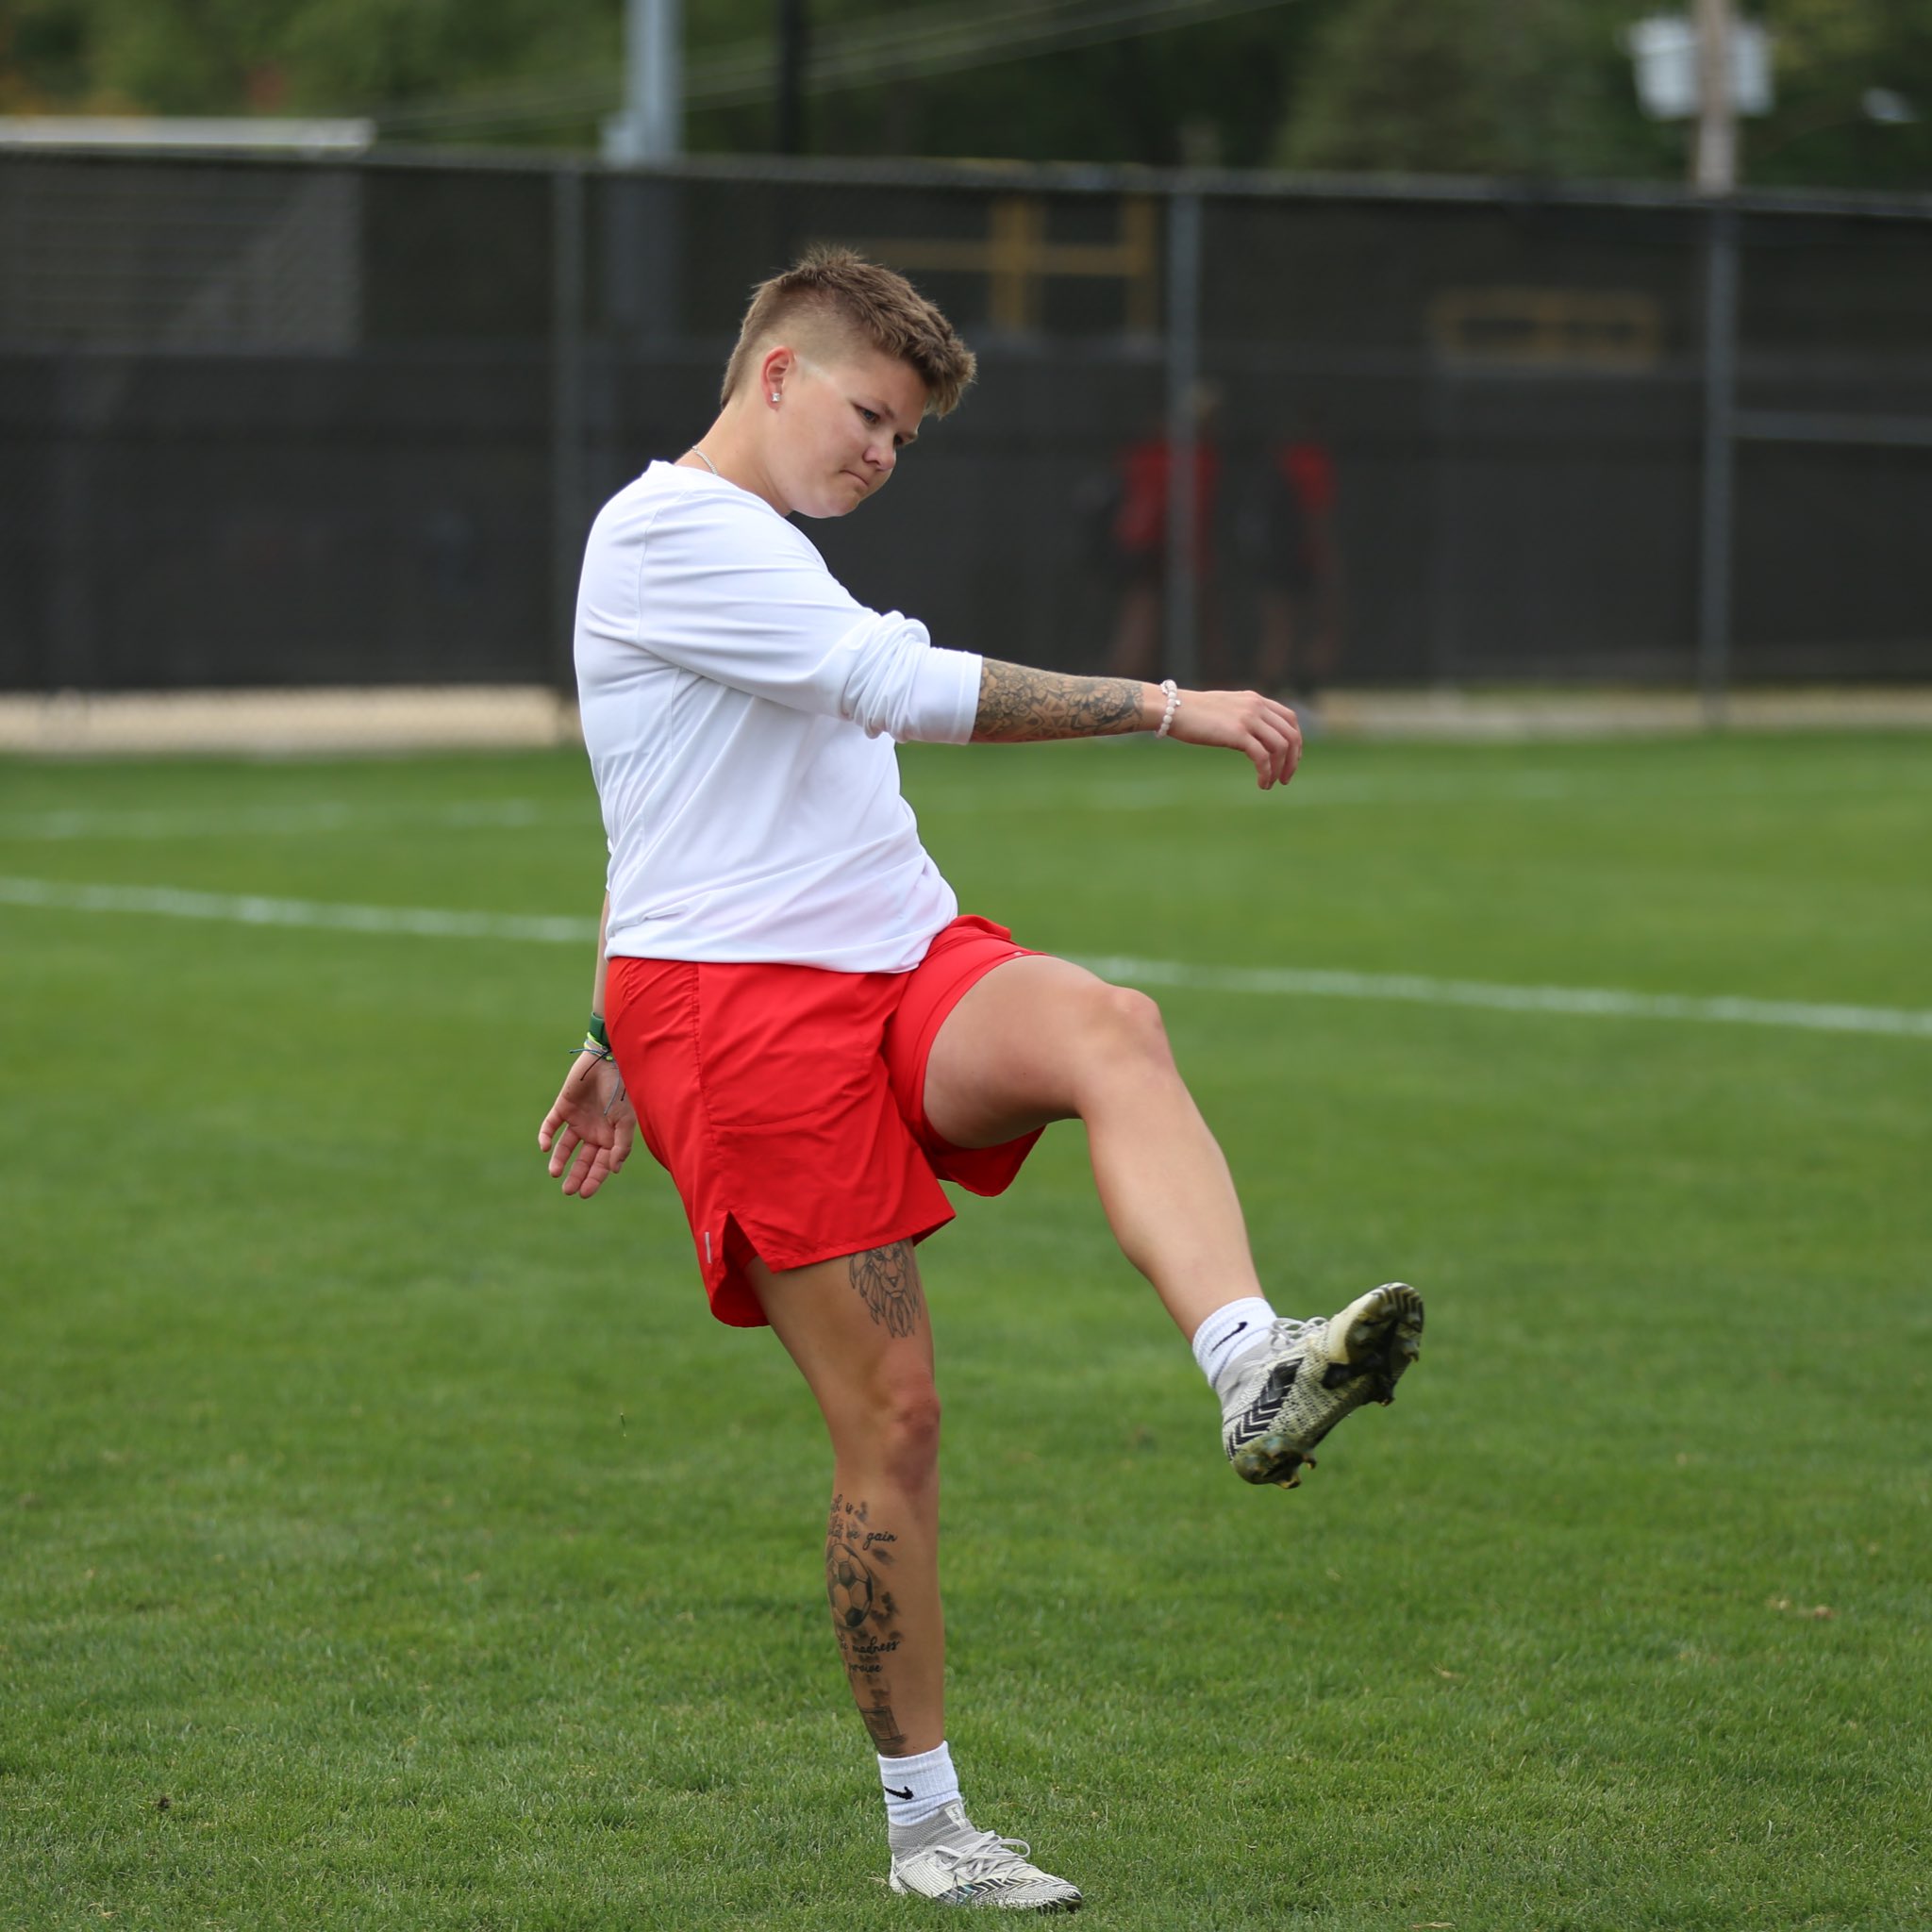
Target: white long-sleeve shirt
{"type": "Point", "coordinates": [740, 706]}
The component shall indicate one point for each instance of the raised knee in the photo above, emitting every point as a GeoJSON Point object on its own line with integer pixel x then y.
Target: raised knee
{"type": "Point", "coordinates": [1130, 1023]}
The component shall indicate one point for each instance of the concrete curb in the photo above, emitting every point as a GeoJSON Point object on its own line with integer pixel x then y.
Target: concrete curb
{"type": "Point", "coordinates": [1500, 716]}
{"type": "Point", "coordinates": [302, 723]}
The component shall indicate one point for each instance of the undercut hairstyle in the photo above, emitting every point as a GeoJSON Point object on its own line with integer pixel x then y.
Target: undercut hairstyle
{"type": "Point", "coordinates": [836, 292]}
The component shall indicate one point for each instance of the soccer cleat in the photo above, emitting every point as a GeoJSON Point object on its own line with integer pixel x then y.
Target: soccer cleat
{"type": "Point", "coordinates": [947, 1859]}
{"type": "Point", "coordinates": [1308, 1376]}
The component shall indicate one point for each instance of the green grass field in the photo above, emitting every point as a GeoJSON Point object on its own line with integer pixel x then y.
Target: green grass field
{"type": "Point", "coordinates": [388, 1542]}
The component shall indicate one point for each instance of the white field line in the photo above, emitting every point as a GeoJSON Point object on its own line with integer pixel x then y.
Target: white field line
{"type": "Point", "coordinates": [1410, 989]}
{"type": "Point", "coordinates": [420, 922]}
{"type": "Point", "coordinates": [1594, 1002]}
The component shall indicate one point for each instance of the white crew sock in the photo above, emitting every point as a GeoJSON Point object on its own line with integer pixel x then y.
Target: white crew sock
{"type": "Point", "coordinates": [1227, 1335]}
{"type": "Point", "coordinates": [917, 1787]}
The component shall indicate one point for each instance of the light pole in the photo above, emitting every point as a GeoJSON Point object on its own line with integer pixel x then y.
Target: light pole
{"type": "Point", "coordinates": [1714, 154]}
{"type": "Point", "coordinates": [650, 127]}
{"type": "Point", "coordinates": [1714, 171]}
{"type": "Point", "coordinates": [642, 216]}
{"type": "Point", "coordinates": [1707, 67]}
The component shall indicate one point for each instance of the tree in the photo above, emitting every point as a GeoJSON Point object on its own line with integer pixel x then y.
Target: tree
{"type": "Point", "coordinates": [1470, 87]}
{"type": "Point", "coordinates": [1488, 86]}
{"type": "Point", "coordinates": [547, 69]}
{"type": "Point", "coordinates": [1545, 88]}
{"type": "Point", "coordinates": [1827, 57]}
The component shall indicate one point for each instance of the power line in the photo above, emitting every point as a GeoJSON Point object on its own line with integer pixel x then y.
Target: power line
{"type": "Point", "coordinates": [933, 40]}
{"type": "Point", "coordinates": [989, 37]}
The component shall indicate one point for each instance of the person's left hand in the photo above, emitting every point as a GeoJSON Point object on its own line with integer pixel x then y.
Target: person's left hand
{"type": "Point", "coordinates": [589, 1127]}
{"type": "Point", "coordinates": [1263, 730]}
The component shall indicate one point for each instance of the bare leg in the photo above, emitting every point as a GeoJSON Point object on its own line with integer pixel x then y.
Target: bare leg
{"type": "Point", "coordinates": [1325, 654]}
{"type": "Point", "coordinates": [1324, 604]}
{"type": "Point", "coordinates": [1041, 1040]}
{"type": "Point", "coordinates": [858, 1329]}
{"type": "Point", "coordinates": [1217, 668]}
{"type": "Point", "coordinates": [1276, 652]}
{"type": "Point", "coordinates": [1136, 649]}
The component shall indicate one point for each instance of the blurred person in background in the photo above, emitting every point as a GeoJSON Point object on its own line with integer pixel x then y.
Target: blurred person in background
{"type": "Point", "coordinates": [1139, 530]}
{"type": "Point", "coordinates": [1288, 534]}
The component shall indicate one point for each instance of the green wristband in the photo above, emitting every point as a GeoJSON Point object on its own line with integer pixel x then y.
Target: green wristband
{"type": "Point", "coordinates": [597, 1033]}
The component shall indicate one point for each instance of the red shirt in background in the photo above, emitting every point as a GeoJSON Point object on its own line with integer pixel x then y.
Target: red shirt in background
{"type": "Point", "coordinates": [1140, 525]}
{"type": "Point", "coordinates": [1310, 473]}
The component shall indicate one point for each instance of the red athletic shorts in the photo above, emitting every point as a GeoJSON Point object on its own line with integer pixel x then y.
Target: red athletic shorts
{"type": "Point", "coordinates": [788, 1103]}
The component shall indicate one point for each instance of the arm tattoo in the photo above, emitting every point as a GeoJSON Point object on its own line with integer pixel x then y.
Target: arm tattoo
{"type": "Point", "coordinates": [887, 1283]}
{"type": "Point", "coordinates": [863, 1613]}
{"type": "Point", "coordinates": [1018, 706]}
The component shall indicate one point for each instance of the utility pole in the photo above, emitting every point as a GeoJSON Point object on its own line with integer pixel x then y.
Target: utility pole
{"type": "Point", "coordinates": [651, 127]}
{"type": "Point", "coordinates": [793, 33]}
{"type": "Point", "coordinates": [1714, 171]}
{"type": "Point", "coordinates": [1714, 153]}
{"type": "Point", "coordinates": [642, 216]}
{"type": "Point", "coordinates": [1181, 658]}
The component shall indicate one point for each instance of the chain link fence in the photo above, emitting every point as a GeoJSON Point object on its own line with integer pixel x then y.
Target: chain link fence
{"type": "Point", "coordinates": [270, 423]}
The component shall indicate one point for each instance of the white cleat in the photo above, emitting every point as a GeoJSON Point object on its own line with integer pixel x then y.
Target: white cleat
{"type": "Point", "coordinates": [947, 1859]}
{"type": "Point", "coordinates": [1309, 1374]}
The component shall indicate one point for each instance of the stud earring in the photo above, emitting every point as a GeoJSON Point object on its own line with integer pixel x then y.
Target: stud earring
{"type": "Point", "coordinates": [774, 395]}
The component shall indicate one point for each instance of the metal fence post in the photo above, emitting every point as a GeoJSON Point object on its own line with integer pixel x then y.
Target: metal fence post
{"type": "Point", "coordinates": [1442, 615]}
{"type": "Point", "coordinates": [566, 414]}
{"type": "Point", "coordinates": [68, 662]}
{"type": "Point", "coordinates": [1719, 506]}
{"type": "Point", "coordinates": [1182, 655]}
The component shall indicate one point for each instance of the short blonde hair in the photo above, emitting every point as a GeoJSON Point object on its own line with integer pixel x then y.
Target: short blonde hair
{"type": "Point", "coordinates": [835, 289]}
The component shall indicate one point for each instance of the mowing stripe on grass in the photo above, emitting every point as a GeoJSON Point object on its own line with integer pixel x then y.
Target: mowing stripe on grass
{"type": "Point", "coordinates": [1303, 982]}
{"type": "Point", "coordinates": [1152, 791]}
{"type": "Point", "coordinates": [315, 816]}
{"type": "Point", "coordinates": [1160, 793]}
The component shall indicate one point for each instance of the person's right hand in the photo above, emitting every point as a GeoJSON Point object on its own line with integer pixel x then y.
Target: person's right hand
{"type": "Point", "coordinates": [589, 1127]}
{"type": "Point", "coordinates": [1263, 730]}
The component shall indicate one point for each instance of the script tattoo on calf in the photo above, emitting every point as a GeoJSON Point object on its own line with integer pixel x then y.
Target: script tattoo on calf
{"type": "Point", "coordinates": [863, 1614]}
{"type": "Point", "coordinates": [887, 1283]}
{"type": "Point", "coordinates": [1018, 704]}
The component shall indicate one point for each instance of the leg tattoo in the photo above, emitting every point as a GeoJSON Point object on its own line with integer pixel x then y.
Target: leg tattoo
{"type": "Point", "coordinates": [888, 1282]}
{"type": "Point", "coordinates": [862, 1615]}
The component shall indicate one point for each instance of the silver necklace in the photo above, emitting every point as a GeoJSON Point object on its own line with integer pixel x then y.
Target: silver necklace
{"type": "Point", "coordinates": [705, 461]}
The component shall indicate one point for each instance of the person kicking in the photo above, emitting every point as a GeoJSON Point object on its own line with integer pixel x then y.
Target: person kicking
{"type": "Point", "coordinates": [791, 1009]}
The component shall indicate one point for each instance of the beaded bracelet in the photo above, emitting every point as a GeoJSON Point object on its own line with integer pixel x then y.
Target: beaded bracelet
{"type": "Point", "coordinates": [1174, 705]}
